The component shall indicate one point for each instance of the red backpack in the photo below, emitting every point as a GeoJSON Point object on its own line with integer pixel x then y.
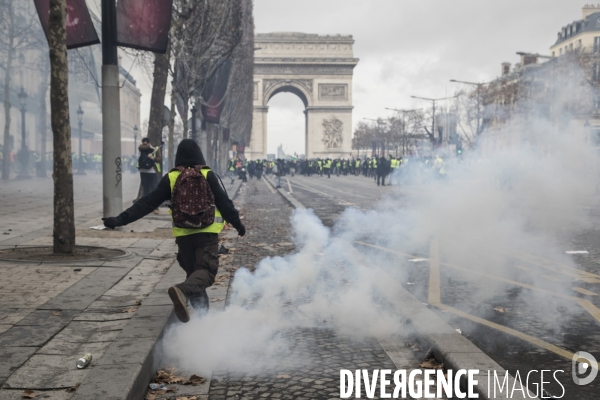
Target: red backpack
{"type": "Point", "coordinates": [192, 201]}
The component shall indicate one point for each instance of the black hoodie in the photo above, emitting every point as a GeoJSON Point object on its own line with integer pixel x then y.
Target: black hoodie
{"type": "Point", "coordinates": [188, 155]}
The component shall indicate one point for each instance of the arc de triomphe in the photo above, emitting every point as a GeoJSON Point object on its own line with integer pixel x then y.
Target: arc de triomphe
{"type": "Point", "coordinates": [316, 68]}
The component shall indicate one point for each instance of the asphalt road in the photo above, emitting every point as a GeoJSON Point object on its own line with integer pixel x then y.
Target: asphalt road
{"type": "Point", "coordinates": [523, 327]}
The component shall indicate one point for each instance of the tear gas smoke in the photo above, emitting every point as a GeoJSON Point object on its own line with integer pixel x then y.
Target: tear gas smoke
{"type": "Point", "coordinates": [518, 197]}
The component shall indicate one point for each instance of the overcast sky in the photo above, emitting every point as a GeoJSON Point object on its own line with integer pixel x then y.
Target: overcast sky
{"type": "Point", "coordinates": [411, 47]}
{"type": "Point", "coordinates": [408, 47]}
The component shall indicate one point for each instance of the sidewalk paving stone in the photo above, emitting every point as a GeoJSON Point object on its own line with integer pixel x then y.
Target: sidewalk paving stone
{"type": "Point", "coordinates": [66, 310]}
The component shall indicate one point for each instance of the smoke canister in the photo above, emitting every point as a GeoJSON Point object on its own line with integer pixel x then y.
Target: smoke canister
{"type": "Point", "coordinates": [84, 361]}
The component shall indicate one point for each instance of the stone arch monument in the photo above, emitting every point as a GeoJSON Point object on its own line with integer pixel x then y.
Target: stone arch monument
{"type": "Point", "coordinates": [318, 69]}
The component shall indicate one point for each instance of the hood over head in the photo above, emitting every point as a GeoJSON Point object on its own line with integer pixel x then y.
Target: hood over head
{"type": "Point", "coordinates": [189, 154]}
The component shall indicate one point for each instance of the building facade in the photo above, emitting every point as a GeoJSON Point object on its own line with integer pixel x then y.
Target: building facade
{"type": "Point", "coordinates": [584, 33]}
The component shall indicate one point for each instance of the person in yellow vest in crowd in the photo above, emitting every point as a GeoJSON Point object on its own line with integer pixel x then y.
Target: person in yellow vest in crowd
{"type": "Point", "coordinates": [439, 167]}
{"type": "Point", "coordinates": [327, 167]}
{"type": "Point", "coordinates": [97, 162]}
{"type": "Point", "coordinates": [149, 166]}
{"type": "Point", "coordinates": [231, 170]}
{"type": "Point", "coordinates": [197, 248]}
{"type": "Point", "coordinates": [373, 168]}
{"type": "Point", "coordinates": [394, 166]}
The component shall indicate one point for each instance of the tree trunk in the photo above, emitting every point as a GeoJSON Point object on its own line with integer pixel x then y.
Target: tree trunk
{"type": "Point", "coordinates": [7, 105]}
{"type": "Point", "coordinates": [171, 149]}
{"type": "Point", "coordinates": [42, 118]}
{"type": "Point", "coordinates": [64, 224]}
{"type": "Point", "coordinates": [184, 117]}
{"type": "Point", "coordinates": [157, 101]}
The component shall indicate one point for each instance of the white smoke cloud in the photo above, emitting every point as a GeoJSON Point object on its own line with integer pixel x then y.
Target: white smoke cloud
{"type": "Point", "coordinates": [496, 209]}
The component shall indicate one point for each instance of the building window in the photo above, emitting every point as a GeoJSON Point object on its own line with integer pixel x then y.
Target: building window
{"type": "Point", "coordinates": [553, 54]}
{"type": "Point", "coordinates": [596, 72]}
{"type": "Point", "coordinates": [560, 52]}
{"type": "Point", "coordinates": [596, 44]}
{"type": "Point", "coordinates": [580, 43]}
{"type": "Point", "coordinates": [571, 47]}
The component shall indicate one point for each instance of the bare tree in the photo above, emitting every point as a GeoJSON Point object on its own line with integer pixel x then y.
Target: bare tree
{"type": "Point", "coordinates": [64, 224]}
{"type": "Point", "coordinates": [238, 112]}
{"type": "Point", "coordinates": [406, 129]}
{"type": "Point", "coordinates": [18, 24]}
{"type": "Point", "coordinates": [203, 34]}
{"type": "Point", "coordinates": [364, 136]}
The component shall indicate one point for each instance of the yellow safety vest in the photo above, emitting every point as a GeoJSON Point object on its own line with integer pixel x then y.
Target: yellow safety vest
{"type": "Point", "coordinates": [215, 227]}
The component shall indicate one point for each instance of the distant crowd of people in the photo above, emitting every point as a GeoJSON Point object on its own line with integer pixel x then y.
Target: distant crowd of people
{"type": "Point", "coordinates": [379, 168]}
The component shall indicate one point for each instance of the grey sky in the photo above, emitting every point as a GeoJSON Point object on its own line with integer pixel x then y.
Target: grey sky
{"type": "Point", "coordinates": [410, 47]}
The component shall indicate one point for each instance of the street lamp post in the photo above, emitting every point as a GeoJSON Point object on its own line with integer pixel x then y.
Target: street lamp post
{"type": "Point", "coordinates": [135, 133]}
{"type": "Point", "coordinates": [24, 153]}
{"type": "Point", "coordinates": [80, 166]}
{"type": "Point", "coordinates": [433, 101]}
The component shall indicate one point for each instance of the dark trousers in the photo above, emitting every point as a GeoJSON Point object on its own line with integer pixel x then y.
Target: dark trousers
{"type": "Point", "coordinates": [382, 178]}
{"type": "Point", "coordinates": [148, 182]}
{"type": "Point", "coordinates": [198, 255]}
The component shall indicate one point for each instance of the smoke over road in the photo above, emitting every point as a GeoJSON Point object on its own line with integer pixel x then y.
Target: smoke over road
{"type": "Point", "coordinates": [521, 194]}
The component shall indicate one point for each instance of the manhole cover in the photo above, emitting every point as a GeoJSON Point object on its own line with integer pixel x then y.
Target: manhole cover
{"type": "Point", "coordinates": [44, 254]}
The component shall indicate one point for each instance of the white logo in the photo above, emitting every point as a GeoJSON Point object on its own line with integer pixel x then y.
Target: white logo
{"type": "Point", "coordinates": [584, 363]}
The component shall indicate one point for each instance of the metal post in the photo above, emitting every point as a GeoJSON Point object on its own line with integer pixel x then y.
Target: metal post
{"type": "Point", "coordinates": [24, 153]}
{"type": "Point", "coordinates": [24, 173]}
{"type": "Point", "coordinates": [81, 171]}
{"type": "Point", "coordinates": [112, 189]}
{"type": "Point", "coordinates": [135, 132]}
{"type": "Point", "coordinates": [80, 167]}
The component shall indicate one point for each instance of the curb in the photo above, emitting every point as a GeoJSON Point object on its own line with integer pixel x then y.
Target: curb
{"type": "Point", "coordinates": [127, 367]}
{"type": "Point", "coordinates": [447, 345]}
{"type": "Point", "coordinates": [286, 196]}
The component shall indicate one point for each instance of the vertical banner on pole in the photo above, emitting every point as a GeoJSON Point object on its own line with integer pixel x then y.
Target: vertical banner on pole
{"type": "Point", "coordinates": [80, 28]}
{"type": "Point", "coordinates": [144, 24]}
{"type": "Point", "coordinates": [214, 93]}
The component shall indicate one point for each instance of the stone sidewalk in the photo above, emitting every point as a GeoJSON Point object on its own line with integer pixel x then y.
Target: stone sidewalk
{"type": "Point", "coordinates": [52, 314]}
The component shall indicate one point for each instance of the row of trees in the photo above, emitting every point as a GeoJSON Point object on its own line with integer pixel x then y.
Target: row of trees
{"type": "Point", "coordinates": [20, 32]}
{"type": "Point", "coordinates": [397, 134]}
{"type": "Point", "coordinates": [204, 36]}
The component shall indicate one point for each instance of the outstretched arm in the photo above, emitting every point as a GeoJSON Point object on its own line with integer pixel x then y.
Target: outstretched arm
{"type": "Point", "coordinates": [143, 206]}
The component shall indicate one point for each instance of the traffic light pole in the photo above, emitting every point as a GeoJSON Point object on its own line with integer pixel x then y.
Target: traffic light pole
{"type": "Point", "coordinates": [112, 189]}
